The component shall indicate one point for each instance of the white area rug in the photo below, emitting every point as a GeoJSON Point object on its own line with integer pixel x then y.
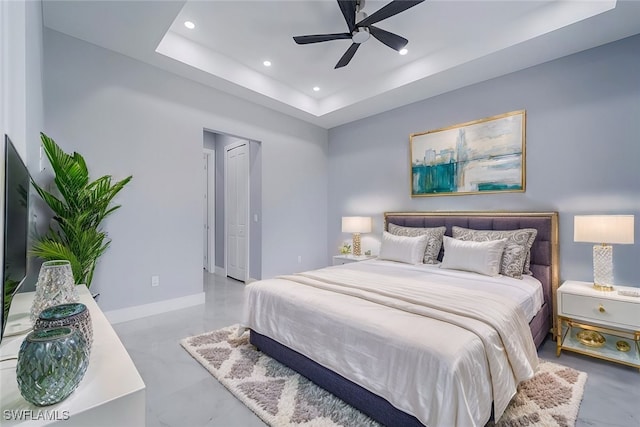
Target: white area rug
{"type": "Point", "coordinates": [283, 398]}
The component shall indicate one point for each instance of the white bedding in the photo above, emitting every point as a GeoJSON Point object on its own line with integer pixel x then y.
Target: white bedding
{"type": "Point", "coordinates": [391, 328]}
{"type": "Point", "coordinates": [527, 292]}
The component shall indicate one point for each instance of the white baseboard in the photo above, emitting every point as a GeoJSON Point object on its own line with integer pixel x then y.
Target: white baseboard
{"type": "Point", "coordinates": [139, 311]}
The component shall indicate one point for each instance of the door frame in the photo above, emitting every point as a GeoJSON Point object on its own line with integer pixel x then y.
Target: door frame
{"type": "Point", "coordinates": [211, 208]}
{"type": "Point", "coordinates": [227, 148]}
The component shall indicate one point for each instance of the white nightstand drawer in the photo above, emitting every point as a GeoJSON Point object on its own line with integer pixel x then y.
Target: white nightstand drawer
{"type": "Point", "coordinates": [601, 310]}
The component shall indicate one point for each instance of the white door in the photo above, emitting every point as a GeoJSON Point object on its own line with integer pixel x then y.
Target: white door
{"type": "Point", "coordinates": [237, 209]}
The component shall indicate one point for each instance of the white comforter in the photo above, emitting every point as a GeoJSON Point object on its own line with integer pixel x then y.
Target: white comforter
{"type": "Point", "coordinates": [437, 351]}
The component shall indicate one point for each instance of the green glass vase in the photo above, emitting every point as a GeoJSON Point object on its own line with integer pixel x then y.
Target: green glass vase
{"type": "Point", "coordinates": [74, 314]}
{"type": "Point", "coordinates": [51, 364]}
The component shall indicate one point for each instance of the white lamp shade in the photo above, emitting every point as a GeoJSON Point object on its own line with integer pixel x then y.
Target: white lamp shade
{"type": "Point", "coordinates": [616, 229]}
{"type": "Point", "coordinates": [356, 224]}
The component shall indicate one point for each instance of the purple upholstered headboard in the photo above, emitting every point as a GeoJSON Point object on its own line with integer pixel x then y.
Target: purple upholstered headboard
{"type": "Point", "coordinates": [544, 252]}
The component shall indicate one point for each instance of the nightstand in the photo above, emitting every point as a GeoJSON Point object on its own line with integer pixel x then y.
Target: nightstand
{"type": "Point", "coordinates": [346, 259]}
{"type": "Point", "coordinates": [600, 324]}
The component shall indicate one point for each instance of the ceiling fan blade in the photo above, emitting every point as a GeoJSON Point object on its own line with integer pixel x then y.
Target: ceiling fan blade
{"type": "Point", "coordinates": [317, 38]}
{"type": "Point", "coordinates": [347, 55]}
{"type": "Point", "coordinates": [387, 11]}
{"type": "Point", "coordinates": [348, 8]}
{"type": "Point", "coordinates": [394, 41]}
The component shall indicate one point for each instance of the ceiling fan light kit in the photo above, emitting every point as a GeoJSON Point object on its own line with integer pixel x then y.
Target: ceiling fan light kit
{"type": "Point", "coordinates": [360, 35]}
{"type": "Point", "coordinates": [360, 31]}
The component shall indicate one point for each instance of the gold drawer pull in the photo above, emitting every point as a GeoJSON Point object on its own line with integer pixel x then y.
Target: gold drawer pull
{"type": "Point", "coordinates": [601, 309]}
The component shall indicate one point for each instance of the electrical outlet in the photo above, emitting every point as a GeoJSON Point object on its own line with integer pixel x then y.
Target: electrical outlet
{"type": "Point", "coordinates": [299, 259]}
{"type": "Point", "coordinates": [155, 280]}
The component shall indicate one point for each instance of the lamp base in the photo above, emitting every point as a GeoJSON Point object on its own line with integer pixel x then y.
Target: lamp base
{"type": "Point", "coordinates": [603, 267]}
{"type": "Point", "coordinates": [357, 251]}
{"type": "Point", "coordinates": [605, 288]}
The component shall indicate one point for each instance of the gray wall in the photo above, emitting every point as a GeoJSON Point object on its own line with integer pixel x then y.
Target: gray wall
{"type": "Point", "coordinates": [21, 97]}
{"type": "Point", "coordinates": [35, 124]}
{"type": "Point", "coordinates": [255, 207]}
{"type": "Point", "coordinates": [219, 147]}
{"type": "Point", "coordinates": [126, 118]}
{"type": "Point", "coordinates": [582, 151]}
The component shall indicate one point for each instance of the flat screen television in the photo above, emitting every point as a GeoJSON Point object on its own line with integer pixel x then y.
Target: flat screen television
{"type": "Point", "coordinates": [16, 226]}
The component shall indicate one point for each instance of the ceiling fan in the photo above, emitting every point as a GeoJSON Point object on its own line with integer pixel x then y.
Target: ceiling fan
{"type": "Point", "coordinates": [360, 31]}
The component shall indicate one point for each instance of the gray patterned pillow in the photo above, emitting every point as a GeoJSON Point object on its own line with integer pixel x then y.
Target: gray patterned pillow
{"type": "Point", "coordinates": [434, 243]}
{"type": "Point", "coordinates": [517, 252]}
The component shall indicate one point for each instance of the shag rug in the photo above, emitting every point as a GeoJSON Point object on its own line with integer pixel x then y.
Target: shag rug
{"type": "Point", "coordinates": [281, 397]}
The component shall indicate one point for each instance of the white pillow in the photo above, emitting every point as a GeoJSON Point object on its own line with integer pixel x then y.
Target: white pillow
{"type": "Point", "coordinates": [405, 249]}
{"type": "Point", "coordinates": [478, 257]}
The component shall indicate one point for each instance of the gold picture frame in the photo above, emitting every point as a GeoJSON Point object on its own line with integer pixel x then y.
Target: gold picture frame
{"type": "Point", "coordinates": [476, 157]}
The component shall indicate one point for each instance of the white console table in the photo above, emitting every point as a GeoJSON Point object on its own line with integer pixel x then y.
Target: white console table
{"type": "Point", "coordinates": [111, 393]}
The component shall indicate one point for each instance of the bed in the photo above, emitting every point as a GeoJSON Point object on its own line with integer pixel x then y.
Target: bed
{"type": "Point", "coordinates": [368, 333]}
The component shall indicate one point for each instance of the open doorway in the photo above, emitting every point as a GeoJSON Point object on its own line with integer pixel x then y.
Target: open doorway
{"type": "Point", "coordinates": [236, 226]}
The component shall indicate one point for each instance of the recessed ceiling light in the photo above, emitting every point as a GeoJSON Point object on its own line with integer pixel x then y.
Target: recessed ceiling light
{"type": "Point", "coordinates": [316, 88]}
{"type": "Point", "coordinates": [403, 51]}
{"type": "Point", "coordinates": [190, 25]}
{"type": "Point", "coordinates": [267, 63]}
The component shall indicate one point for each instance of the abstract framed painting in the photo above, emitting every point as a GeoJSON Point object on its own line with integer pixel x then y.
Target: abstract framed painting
{"type": "Point", "coordinates": [477, 157]}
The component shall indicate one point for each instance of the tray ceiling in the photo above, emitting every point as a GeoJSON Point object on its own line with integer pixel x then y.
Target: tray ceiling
{"type": "Point", "coordinates": [451, 44]}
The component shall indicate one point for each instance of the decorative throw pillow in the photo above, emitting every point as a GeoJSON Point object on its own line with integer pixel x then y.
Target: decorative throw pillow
{"type": "Point", "coordinates": [409, 250]}
{"type": "Point", "coordinates": [478, 257]}
{"type": "Point", "coordinates": [434, 242]}
{"type": "Point", "coordinates": [517, 249]}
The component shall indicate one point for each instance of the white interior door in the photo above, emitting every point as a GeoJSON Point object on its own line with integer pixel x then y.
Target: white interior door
{"type": "Point", "coordinates": [237, 210]}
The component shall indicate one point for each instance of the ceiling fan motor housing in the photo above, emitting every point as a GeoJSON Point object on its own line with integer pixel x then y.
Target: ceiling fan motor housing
{"type": "Point", "coordinates": [360, 35]}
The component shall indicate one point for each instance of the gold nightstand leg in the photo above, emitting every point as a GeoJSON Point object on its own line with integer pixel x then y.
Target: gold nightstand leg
{"type": "Point", "coordinates": [560, 338]}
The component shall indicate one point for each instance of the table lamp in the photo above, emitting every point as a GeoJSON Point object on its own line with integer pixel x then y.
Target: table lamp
{"type": "Point", "coordinates": [605, 230]}
{"type": "Point", "coordinates": [356, 225]}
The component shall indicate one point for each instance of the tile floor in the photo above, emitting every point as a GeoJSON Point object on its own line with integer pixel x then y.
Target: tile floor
{"type": "Point", "coordinates": [180, 392]}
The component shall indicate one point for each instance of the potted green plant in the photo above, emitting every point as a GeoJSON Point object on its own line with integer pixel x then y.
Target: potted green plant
{"type": "Point", "coordinates": [79, 207]}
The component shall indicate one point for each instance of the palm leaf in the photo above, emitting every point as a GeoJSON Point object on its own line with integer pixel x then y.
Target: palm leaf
{"type": "Point", "coordinates": [71, 173]}
{"type": "Point", "coordinates": [56, 205]}
{"type": "Point", "coordinates": [49, 250]}
{"type": "Point", "coordinates": [78, 211]}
